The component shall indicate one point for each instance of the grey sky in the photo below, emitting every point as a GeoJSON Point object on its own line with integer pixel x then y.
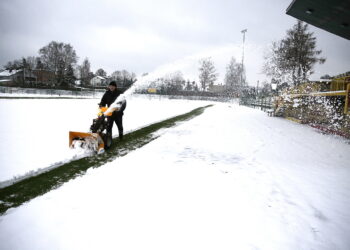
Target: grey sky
{"type": "Point", "coordinates": [140, 36]}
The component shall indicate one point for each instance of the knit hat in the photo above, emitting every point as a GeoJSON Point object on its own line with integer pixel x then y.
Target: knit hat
{"type": "Point", "coordinates": [113, 83]}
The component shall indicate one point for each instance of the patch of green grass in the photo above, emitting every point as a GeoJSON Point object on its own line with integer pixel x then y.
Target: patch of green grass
{"type": "Point", "coordinates": [27, 189]}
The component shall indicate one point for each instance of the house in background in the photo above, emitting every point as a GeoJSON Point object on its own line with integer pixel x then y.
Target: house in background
{"type": "Point", "coordinates": [24, 77]}
{"type": "Point", "coordinates": [45, 77]}
{"type": "Point", "coordinates": [5, 77]}
{"type": "Point", "coordinates": [17, 77]}
{"type": "Point", "coordinates": [98, 81]}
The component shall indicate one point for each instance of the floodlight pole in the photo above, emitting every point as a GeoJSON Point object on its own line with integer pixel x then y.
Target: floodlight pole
{"type": "Point", "coordinates": [243, 31]}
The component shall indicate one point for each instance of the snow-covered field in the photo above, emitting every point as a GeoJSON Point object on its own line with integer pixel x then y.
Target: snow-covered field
{"type": "Point", "coordinates": [231, 178]}
{"type": "Point", "coordinates": [34, 132]}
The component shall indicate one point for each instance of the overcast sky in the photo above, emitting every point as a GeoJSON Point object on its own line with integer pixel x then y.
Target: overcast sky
{"type": "Point", "coordinates": [141, 36]}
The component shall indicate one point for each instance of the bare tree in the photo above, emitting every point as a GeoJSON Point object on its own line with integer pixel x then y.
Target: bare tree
{"type": "Point", "coordinates": [13, 65]}
{"type": "Point", "coordinates": [101, 72]}
{"type": "Point", "coordinates": [31, 62]}
{"type": "Point", "coordinates": [28, 63]}
{"type": "Point", "coordinates": [234, 77]}
{"type": "Point", "coordinates": [117, 76]}
{"type": "Point", "coordinates": [123, 77]}
{"type": "Point", "coordinates": [125, 74]}
{"type": "Point", "coordinates": [207, 73]}
{"type": "Point", "coordinates": [56, 56]}
{"type": "Point", "coordinates": [175, 81]}
{"type": "Point", "coordinates": [133, 77]}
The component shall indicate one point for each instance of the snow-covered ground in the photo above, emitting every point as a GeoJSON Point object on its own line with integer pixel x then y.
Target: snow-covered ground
{"type": "Point", "coordinates": [232, 178]}
{"type": "Point", "coordinates": [34, 132]}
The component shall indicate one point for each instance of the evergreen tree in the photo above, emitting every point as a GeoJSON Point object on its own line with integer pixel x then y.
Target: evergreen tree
{"type": "Point", "coordinates": [188, 86]}
{"type": "Point", "coordinates": [195, 86]}
{"type": "Point", "coordinates": [70, 78]}
{"type": "Point", "coordinates": [292, 59]}
{"type": "Point", "coordinates": [39, 64]}
{"type": "Point", "coordinates": [85, 74]}
{"type": "Point", "coordinates": [60, 74]}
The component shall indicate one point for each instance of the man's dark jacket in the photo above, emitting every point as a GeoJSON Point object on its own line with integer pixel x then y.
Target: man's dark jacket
{"type": "Point", "coordinates": [109, 97]}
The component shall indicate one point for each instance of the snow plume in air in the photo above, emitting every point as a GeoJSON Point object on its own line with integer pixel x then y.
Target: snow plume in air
{"type": "Point", "coordinates": [188, 66]}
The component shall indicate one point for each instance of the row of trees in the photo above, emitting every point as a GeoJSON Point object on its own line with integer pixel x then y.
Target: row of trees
{"type": "Point", "coordinates": [234, 81]}
{"type": "Point", "coordinates": [58, 58]}
{"type": "Point", "coordinates": [175, 82]}
{"type": "Point", "coordinates": [61, 59]}
{"type": "Point", "coordinates": [122, 77]}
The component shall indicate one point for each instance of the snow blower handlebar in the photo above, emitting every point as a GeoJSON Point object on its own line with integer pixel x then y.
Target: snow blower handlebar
{"type": "Point", "coordinates": [115, 106]}
{"type": "Point", "coordinates": [104, 111]}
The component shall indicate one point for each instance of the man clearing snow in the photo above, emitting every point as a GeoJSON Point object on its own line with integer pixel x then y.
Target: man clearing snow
{"type": "Point", "coordinates": [109, 97]}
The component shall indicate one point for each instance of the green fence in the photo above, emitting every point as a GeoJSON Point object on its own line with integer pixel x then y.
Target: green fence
{"type": "Point", "coordinates": [264, 104]}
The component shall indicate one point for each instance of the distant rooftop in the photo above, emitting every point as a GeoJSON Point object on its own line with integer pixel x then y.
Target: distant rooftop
{"type": "Point", "coordinates": [7, 72]}
{"type": "Point", "coordinates": [101, 77]}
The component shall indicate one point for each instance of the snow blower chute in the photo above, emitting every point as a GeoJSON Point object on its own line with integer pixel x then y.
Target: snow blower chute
{"type": "Point", "coordinates": [97, 139]}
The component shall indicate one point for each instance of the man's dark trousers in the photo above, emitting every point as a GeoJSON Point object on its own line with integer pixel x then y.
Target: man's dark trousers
{"type": "Point", "coordinates": [116, 117]}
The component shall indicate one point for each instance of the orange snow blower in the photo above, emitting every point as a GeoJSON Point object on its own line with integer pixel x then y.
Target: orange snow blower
{"type": "Point", "coordinates": [97, 139]}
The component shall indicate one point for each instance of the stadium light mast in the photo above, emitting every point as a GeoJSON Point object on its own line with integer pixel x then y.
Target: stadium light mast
{"type": "Point", "coordinates": [243, 32]}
